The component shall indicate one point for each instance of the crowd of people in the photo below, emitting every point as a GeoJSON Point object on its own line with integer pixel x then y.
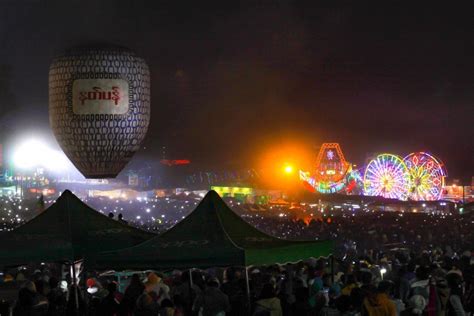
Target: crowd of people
{"type": "Point", "coordinates": [376, 284]}
{"type": "Point", "coordinates": [386, 263]}
{"type": "Point", "coordinates": [376, 230]}
{"type": "Point", "coordinates": [14, 211]}
{"type": "Point", "coordinates": [154, 214]}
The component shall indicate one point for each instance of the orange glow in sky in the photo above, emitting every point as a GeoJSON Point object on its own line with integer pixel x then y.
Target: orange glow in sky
{"type": "Point", "coordinates": [281, 162]}
{"type": "Point", "coordinates": [288, 169]}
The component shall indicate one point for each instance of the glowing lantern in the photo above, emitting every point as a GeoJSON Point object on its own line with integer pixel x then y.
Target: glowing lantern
{"type": "Point", "coordinates": [99, 107]}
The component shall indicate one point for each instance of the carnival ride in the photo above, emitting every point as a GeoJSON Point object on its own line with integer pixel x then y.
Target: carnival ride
{"type": "Point", "coordinates": [419, 176]}
{"type": "Point", "coordinates": [387, 176]}
{"type": "Point", "coordinates": [333, 173]}
{"type": "Point", "coordinates": [426, 176]}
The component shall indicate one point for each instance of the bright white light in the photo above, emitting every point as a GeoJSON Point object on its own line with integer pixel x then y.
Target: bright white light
{"type": "Point", "coordinates": [383, 271]}
{"type": "Point", "coordinates": [92, 290]}
{"type": "Point", "coordinates": [33, 153]}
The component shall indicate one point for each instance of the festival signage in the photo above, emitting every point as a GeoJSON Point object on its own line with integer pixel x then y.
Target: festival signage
{"type": "Point", "coordinates": [100, 96]}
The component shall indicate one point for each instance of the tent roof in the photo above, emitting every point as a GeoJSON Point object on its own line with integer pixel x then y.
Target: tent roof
{"type": "Point", "coordinates": [69, 229]}
{"type": "Point", "coordinates": [212, 235]}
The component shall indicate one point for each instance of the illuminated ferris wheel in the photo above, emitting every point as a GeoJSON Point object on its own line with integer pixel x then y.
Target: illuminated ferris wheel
{"type": "Point", "coordinates": [387, 176]}
{"type": "Point", "coordinates": [426, 175]}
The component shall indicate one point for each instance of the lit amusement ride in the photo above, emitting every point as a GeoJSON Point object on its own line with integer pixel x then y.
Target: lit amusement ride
{"type": "Point", "coordinates": [426, 176]}
{"type": "Point", "coordinates": [419, 176]}
{"type": "Point", "coordinates": [387, 176]}
{"type": "Point", "coordinates": [333, 173]}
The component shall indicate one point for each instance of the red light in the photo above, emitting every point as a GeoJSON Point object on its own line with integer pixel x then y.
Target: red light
{"type": "Point", "coordinates": [177, 162]}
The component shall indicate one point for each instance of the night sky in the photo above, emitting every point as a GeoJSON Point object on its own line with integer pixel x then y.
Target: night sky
{"type": "Point", "coordinates": [231, 82]}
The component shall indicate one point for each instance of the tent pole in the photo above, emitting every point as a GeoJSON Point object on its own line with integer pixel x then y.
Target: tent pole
{"type": "Point", "coordinates": [190, 279]}
{"type": "Point", "coordinates": [332, 268]}
{"type": "Point", "coordinates": [249, 301]}
{"type": "Point", "coordinates": [76, 289]}
{"type": "Point", "coordinates": [84, 282]}
{"type": "Point", "coordinates": [191, 288]}
{"type": "Point", "coordinates": [74, 281]}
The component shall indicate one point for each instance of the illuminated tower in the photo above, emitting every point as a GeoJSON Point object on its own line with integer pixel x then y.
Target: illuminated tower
{"type": "Point", "coordinates": [332, 173]}
{"type": "Point", "coordinates": [331, 166]}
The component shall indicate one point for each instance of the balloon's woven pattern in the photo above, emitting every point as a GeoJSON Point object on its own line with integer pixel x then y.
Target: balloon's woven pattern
{"type": "Point", "coordinates": [99, 145]}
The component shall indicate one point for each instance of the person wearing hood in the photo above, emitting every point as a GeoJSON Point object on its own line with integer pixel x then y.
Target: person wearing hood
{"type": "Point", "coordinates": [268, 302]}
{"type": "Point", "coordinates": [416, 304]}
{"type": "Point", "coordinates": [378, 302]}
{"type": "Point", "coordinates": [155, 284]}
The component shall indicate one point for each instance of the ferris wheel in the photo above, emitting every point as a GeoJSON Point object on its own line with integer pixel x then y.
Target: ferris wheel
{"type": "Point", "coordinates": [426, 175]}
{"type": "Point", "coordinates": [387, 176]}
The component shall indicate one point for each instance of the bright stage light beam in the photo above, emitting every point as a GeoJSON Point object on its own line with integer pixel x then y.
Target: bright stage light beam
{"type": "Point", "coordinates": [34, 153]}
{"type": "Point", "coordinates": [27, 155]}
{"type": "Point", "coordinates": [288, 169]}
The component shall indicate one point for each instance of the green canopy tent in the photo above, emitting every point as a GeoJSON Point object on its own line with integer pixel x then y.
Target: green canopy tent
{"type": "Point", "coordinates": [212, 235]}
{"type": "Point", "coordinates": [67, 231]}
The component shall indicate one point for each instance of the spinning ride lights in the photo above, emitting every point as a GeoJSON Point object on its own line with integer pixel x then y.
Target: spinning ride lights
{"type": "Point", "coordinates": [333, 173]}
{"type": "Point", "coordinates": [426, 176]}
{"type": "Point", "coordinates": [387, 176]}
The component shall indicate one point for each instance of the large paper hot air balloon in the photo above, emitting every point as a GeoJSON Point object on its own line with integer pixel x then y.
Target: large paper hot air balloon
{"type": "Point", "coordinates": [99, 107]}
